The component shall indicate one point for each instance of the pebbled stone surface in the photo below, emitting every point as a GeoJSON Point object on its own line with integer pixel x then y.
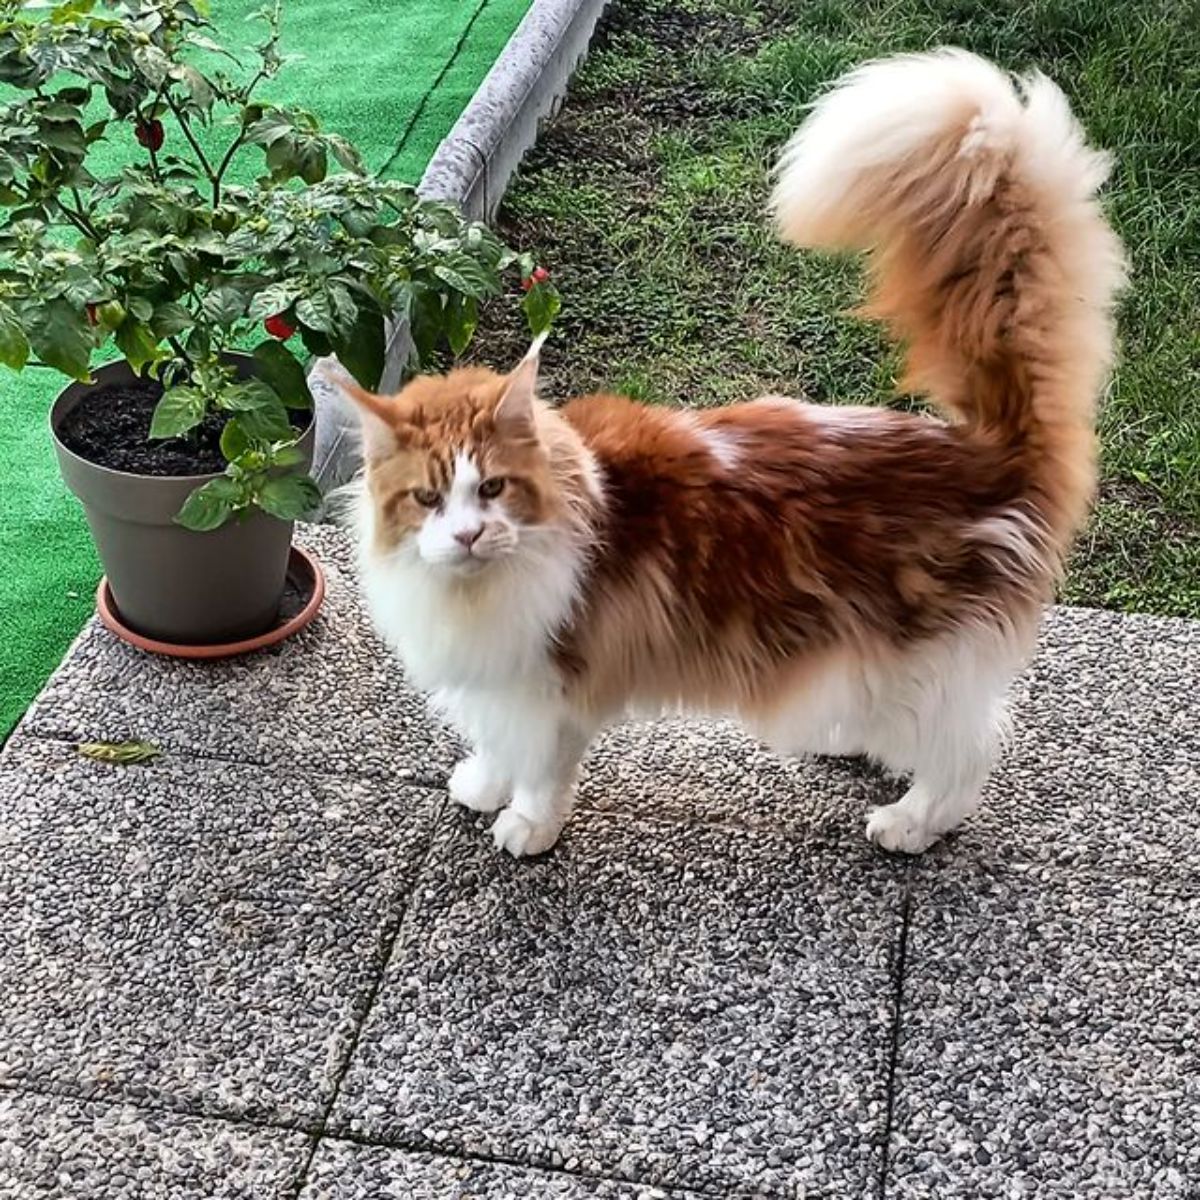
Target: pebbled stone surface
{"type": "Point", "coordinates": [1102, 765]}
{"type": "Point", "coordinates": [55, 1148]}
{"type": "Point", "coordinates": [693, 994]}
{"type": "Point", "coordinates": [331, 699]}
{"type": "Point", "coordinates": [192, 933]}
{"type": "Point", "coordinates": [1050, 1039]}
{"type": "Point", "coordinates": [345, 1171]}
{"type": "Point", "coordinates": [670, 1005]}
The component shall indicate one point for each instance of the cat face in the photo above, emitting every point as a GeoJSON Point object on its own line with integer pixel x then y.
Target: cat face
{"type": "Point", "coordinates": [455, 469]}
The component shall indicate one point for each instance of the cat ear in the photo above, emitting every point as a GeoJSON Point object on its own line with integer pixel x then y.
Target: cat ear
{"type": "Point", "coordinates": [378, 420]}
{"type": "Point", "coordinates": [515, 410]}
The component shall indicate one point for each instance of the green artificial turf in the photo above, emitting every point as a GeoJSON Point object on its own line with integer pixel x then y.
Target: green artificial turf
{"type": "Point", "coordinates": [645, 198]}
{"type": "Point", "coordinates": [393, 79]}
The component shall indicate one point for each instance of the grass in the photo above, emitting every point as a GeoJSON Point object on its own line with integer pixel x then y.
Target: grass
{"type": "Point", "coordinates": [392, 81]}
{"type": "Point", "coordinates": [645, 198]}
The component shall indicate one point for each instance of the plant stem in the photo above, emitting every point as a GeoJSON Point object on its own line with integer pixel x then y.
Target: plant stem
{"type": "Point", "coordinates": [175, 345]}
{"type": "Point", "coordinates": [181, 117]}
{"type": "Point", "coordinates": [83, 215]}
{"type": "Point", "coordinates": [238, 142]}
{"type": "Point", "coordinates": [79, 220]}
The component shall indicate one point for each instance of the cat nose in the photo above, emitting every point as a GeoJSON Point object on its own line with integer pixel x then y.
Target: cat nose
{"type": "Point", "coordinates": [468, 537]}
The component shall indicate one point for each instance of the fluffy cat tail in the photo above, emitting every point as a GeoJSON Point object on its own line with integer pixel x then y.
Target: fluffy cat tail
{"type": "Point", "coordinates": [990, 256]}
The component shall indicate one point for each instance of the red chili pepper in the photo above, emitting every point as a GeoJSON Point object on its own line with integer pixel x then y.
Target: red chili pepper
{"type": "Point", "coordinates": [539, 275]}
{"type": "Point", "coordinates": [279, 327]}
{"type": "Point", "coordinates": [150, 134]}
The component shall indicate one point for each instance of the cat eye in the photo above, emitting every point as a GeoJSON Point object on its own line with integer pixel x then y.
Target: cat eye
{"type": "Point", "coordinates": [489, 489]}
{"type": "Point", "coordinates": [426, 497]}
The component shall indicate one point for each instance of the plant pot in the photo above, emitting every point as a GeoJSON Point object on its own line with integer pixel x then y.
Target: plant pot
{"type": "Point", "coordinates": [297, 611]}
{"type": "Point", "coordinates": [172, 584]}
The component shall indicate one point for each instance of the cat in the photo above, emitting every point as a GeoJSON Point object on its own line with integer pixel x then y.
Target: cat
{"type": "Point", "coordinates": [848, 581]}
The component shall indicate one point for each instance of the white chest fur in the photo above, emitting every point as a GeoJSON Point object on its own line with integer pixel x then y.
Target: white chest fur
{"type": "Point", "coordinates": [491, 632]}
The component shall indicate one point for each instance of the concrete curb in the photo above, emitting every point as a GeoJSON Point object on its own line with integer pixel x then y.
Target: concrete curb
{"type": "Point", "coordinates": [471, 168]}
{"type": "Point", "coordinates": [527, 83]}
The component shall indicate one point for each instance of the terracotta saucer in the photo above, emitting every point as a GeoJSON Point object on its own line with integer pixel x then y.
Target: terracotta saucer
{"type": "Point", "coordinates": [303, 594]}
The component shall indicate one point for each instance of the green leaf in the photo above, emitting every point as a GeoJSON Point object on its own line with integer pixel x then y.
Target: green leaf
{"type": "Point", "coordinates": [275, 299]}
{"type": "Point", "coordinates": [61, 338]}
{"type": "Point", "coordinates": [346, 154]}
{"type": "Point", "coordinates": [137, 342]}
{"type": "Point", "coordinates": [65, 136]}
{"type": "Point", "coordinates": [210, 505]}
{"type": "Point", "coordinates": [311, 161]}
{"type": "Point", "coordinates": [287, 456]}
{"type": "Point", "coordinates": [345, 309]}
{"type": "Point", "coordinates": [14, 346]}
{"type": "Point", "coordinates": [466, 275]}
{"type": "Point", "coordinates": [290, 497]}
{"type": "Point", "coordinates": [541, 304]}
{"type": "Point", "coordinates": [315, 312]}
{"type": "Point", "coordinates": [247, 395]}
{"type": "Point", "coordinates": [283, 157]}
{"type": "Point", "coordinates": [223, 305]}
{"type": "Point", "coordinates": [198, 87]}
{"type": "Point", "coordinates": [170, 319]}
{"type": "Point", "coordinates": [141, 308]}
{"type": "Point", "coordinates": [362, 352]}
{"type": "Point", "coordinates": [206, 43]}
{"type": "Point", "coordinates": [268, 423]}
{"type": "Point", "coordinates": [278, 368]}
{"type": "Point", "coordinates": [119, 753]}
{"type": "Point", "coordinates": [462, 316]}
{"type": "Point", "coordinates": [152, 63]}
{"type": "Point", "coordinates": [426, 321]}
{"type": "Point", "coordinates": [265, 129]}
{"type": "Point", "coordinates": [180, 409]}
{"type": "Point", "coordinates": [235, 441]}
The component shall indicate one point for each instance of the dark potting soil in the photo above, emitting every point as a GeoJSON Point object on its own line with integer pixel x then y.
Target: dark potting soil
{"type": "Point", "coordinates": [111, 428]}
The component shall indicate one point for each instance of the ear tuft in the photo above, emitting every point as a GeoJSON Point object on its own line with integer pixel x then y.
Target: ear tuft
{"type": "Point", "coordinates": [378, 416]}
{"type": "Point", "coordinates": [514, 413]}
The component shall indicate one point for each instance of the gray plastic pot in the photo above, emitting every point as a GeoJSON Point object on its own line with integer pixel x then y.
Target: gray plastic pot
{"type": "Point", "coordinates": [169, 583]}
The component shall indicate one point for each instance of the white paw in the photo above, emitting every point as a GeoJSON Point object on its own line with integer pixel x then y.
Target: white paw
{"type": "Point", "coordinates": [521, 837]}
{"type": "Point", "coordinates": [892, 828]}
{"type": "Point", "coordinates": [474, 786]}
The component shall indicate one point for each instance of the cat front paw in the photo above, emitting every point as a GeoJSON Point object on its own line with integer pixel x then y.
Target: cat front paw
{"type": "Point", "coordinates": [521, 837]}
{"type": "Point", "coordinates": [892, 827]}
{"type": "Point", "coordinates": [474, 785]}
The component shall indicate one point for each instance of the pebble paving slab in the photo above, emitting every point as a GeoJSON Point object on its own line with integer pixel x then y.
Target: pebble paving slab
{"type": "Point", "coordinates": [58, 1148]}
{"type": "Point", "coordinates": [275, 964]}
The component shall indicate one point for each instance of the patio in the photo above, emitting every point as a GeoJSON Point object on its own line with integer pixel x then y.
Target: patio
{"type": "Point", "coordinates": [276, 962]}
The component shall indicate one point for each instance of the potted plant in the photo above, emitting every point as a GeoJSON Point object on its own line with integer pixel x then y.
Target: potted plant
{"type": "Point", "coordinates": [156, 208]}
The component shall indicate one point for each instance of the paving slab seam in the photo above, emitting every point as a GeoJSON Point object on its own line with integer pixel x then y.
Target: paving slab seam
{"type": "Point", "coordinates": [928, 866]}
{"type": "Point", "coordinates": [899, 965]}
{"type": "Point", "coordinates": [439, 782]}
{"type": "Point", "coordinates": [427, 783]}
{"type": "Point", "coordinates": [162, 1107]}
{"type": "Point", "coordinates": [387, 943]}
{"type": "Point", "coordinates": [683, 1191]}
